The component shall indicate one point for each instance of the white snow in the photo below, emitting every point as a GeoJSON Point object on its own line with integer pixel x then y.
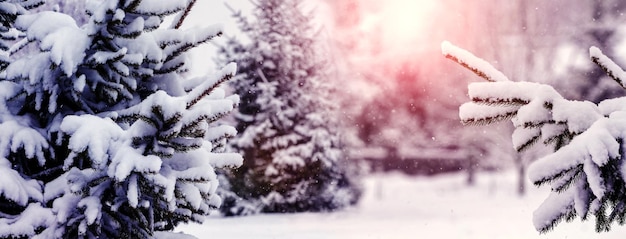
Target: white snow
{"type": "Point", "coordinates": [534, 112]}
{"type": "Point", "coordinates": [223, 160]}
{"type": "Point", "coordinates": [581, 198]}
{"type": "Point", "coordinates": [191, 194]}
{"type": "Point", "coordinates": [609, 106]}
{"type": "Point", "coordinates": [596, 183]}
{"type": "Point", "coordinates": [18, 135]}
{"type": "Point", "coordinates": [597, 143]}
{"type": "Point", "coordinates": [168, 105]}
{"type": "Point", "coordinates": [523, 135]}
{"type": "Point", "coordinates": [525, 91]}
{"type": "Point", "coordinates": [91, 133]}
{"type": "Point", "coordinates": [68, 56]}
{"type": "Point", "coordinates": [554, 206]}
{"type": "Point", "coordinates": [40, 25]}
{"type": "Point", "coordinates": [33, 217]}
{"type": "Point", "coordinates": [172, 235]}
{"type": "Point", "coordinates": [133, 191]}
{"type": "Point", "coordinates": [210, 81]}
{"type": "Point", "coordinates": [102, 57]}
{"type": "Point", "coordinates": [220, 131]}
{"type": "Point", "coordinates": [127, 160]}
{"type": "Point", "coordinates": [16, 188]}
{"type": "Point", "coordinates": [92, 207]}
{"type": "Point", "coordinates": [401, 207]}
{"type": "Point", "coordinates": [579, 115]}
{"type": "Point", "coordinates": [160, 7]}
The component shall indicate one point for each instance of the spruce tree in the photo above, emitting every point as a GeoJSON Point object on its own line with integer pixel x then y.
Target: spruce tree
{"type": "Point", "coordinates": [587, 170]}
{"type": "Point", "coordinates": [287, 135]}
{"type": "Point", "coordinates": [102, 134]}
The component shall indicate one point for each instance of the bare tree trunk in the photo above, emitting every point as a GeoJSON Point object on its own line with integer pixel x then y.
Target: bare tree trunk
{"type": "Point", "coordinates": [521, 175]}
{"type": "Point", "coordinates": [527, 72]}
{"type": "Point", "coordinates": [379, 179]}
{"type": "Point", "coordinates": [471, 170]}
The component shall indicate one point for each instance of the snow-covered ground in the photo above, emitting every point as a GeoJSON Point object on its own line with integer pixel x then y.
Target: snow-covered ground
{"type": "Point", "coordinates": [398, 206]}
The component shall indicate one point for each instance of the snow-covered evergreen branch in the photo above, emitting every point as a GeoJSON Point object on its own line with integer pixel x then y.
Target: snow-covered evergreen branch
{"type": "Point", "coordinates": [609, 66]}
{"type": "Point", "coordinates": [468, 60]}
{"type": "Point", "coordinates": [180, 18]}
{"type": "Point", "coordinates": [586, 172]}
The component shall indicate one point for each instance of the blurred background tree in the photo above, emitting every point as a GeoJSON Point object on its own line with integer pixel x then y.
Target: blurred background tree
{"type": "Point", "coordinates": [289, 136]}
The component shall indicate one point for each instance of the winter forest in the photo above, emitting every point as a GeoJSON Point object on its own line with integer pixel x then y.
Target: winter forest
{"type": "Point", "coordinates": [312, 119]}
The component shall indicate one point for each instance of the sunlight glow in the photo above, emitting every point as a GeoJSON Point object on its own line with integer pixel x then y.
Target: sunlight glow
{"type": "Point", "coordinates": [406, 21]}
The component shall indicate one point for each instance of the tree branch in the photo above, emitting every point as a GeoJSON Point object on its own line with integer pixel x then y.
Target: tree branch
{"type": "Point", "coordinates": [181, 19]}
{"type": "Point", "coordinates": [609, 66]}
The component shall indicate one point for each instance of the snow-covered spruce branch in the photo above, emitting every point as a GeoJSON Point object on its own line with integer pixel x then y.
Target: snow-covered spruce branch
{"type": "Point", "coordinates": [211, 84]}
{"type": "Point", "coordinates": [609, 66]}
{"type": "Point", "coordinates": [242, 21]}
{"type": "Point", "coordinates": [466, 59]}
{"type": "Point", "coordinates": [180, 18]}
{"type": "Point", "coordinates": [208, 34]}
{"type": "Point", "coordinates": [587, 171]}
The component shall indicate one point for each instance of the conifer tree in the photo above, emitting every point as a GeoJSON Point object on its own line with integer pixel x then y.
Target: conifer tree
{"type": "Point", "coordinates": [102, 135]}
{"type": "Point", "coordinates": [586, 171]}
{"type": "Point", "coordinates": [289, 140]}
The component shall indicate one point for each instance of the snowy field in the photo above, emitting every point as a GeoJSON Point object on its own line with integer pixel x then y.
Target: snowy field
{"type": "Point", "coordinates": [397, 206]}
